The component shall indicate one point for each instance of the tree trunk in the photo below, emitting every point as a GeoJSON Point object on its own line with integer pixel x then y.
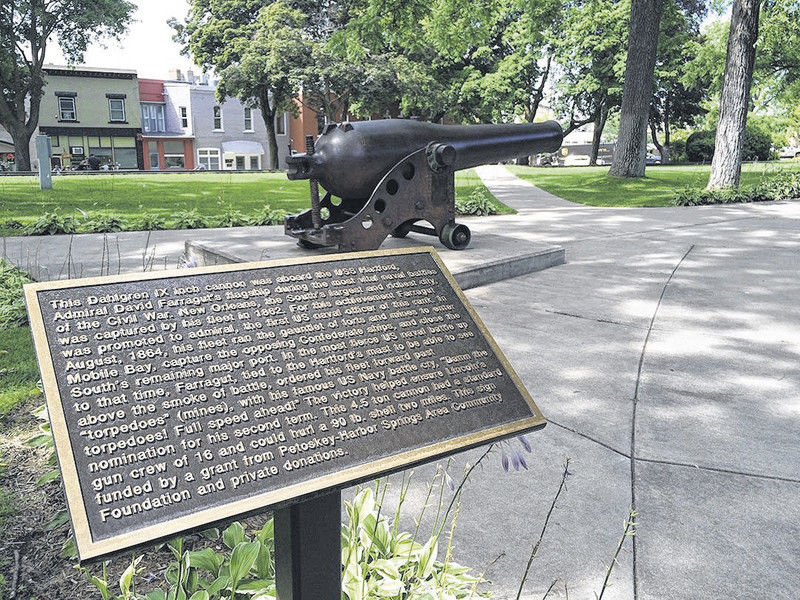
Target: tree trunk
{"type": "Point", "coordinates": [665, 151]}
{"type": "Point", "coordinates": [268, 113]}
{"type": "Point", "coordinates": [726, 166]}
{"type": "Point", "coordinates": [22, 148]}
{"type": "Point", "coordinates": [601, 116]}
{"type": "Point", "coordinates": [273, 143]}
{"type": "Point", "coordinates": [533, 106]}
{"type": "Point", "coordinates": [629, 155]}
{"type": "Point", "coordinates": [654, 134]}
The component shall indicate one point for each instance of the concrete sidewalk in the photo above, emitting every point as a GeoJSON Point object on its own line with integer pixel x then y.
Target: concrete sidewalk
{"type": "Point", "coordinates": [666, 355]}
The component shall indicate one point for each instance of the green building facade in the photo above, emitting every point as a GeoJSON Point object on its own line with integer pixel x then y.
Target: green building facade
{"type": "Point", "coordinates": [88, 111]}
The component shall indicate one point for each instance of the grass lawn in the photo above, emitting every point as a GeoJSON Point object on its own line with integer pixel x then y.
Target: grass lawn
{"type": "Point", "coordinates": [591, 185]}
{"type": "Point", "coordinates": [18, 370]}
{"type": "Point", "coordinates": [130, 196]}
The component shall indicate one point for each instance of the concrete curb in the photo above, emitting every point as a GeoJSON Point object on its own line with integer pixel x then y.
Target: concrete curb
{"type": "Point", "coordinates": [201, 254]}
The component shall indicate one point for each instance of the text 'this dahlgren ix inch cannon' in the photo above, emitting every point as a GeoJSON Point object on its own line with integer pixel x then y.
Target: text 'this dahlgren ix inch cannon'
{"type": "Point", "coordinates": [382, 177]}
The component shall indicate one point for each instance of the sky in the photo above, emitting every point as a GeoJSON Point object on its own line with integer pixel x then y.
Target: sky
{"type": "Point", "coordinates": [147, 47]}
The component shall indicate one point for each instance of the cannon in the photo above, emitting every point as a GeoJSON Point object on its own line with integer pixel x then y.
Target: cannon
{"type": "Point", "coordinates": [383, 177]}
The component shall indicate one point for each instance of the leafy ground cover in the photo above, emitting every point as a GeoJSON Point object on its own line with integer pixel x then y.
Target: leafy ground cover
{"type": "Point", "coordinates": [209, 198]}
{"type": "Point", "coordinates": [593, 186]}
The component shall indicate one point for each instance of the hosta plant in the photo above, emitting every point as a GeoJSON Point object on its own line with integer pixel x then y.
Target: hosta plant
{"type": "Point", "coordinates": [378, 563]}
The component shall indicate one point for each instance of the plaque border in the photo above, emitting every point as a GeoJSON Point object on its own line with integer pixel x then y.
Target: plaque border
{"type": "Point", "coordinates": [89, 549]}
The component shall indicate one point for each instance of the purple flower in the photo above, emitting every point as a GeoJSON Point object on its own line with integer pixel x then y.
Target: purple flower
{"type": "Point", "coordinates": [525, 443]}
{"type": "Point", "coordinates": [504, 459]}
{"type": "Point", "coordinates": [449, 481]}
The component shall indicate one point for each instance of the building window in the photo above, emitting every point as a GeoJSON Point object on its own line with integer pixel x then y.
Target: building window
{"type": "Point", "coordinates": [208, 158]}
{"type": "Point", "coordinates": [184, 117]}
{"type": "Point", "coordinates": [280, 124]}
{"type": "Point", "coordinates": [104, 154]}
{"type": "Point", "coordinates": [126, 158]}
{"type": "Point", "coordinates": [153, 118]}
{"type": "Point", "coordinates": [66, 109]}
{"type": "Point", "coordinates": [248, 119]}
{"type": "Point", "coordinates": [217, 118]}
{"type": "Point", "coordinates": [173, 155]}
{"type": "Point", "coordinates": [116, 109]}
{"type": "Point", "coordinates": [152, 154]}
{"type": "Point", "coordinates": [255, 163]}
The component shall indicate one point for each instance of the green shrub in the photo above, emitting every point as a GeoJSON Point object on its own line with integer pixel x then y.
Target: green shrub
{"type": "Point", "coordinates": [148, 222]}
{"type": "Point", "coordinates": [267, 216]}
{"type": "Point", "coordinates": [51, 224]}
{"type": "Point", "coordinates": [12, 305]}
{"type": "Point", "coordinates": [13, 224]}
{"type": "Point", "coordinates": [233, 218]}
{"type": "Point", "coordinates": [479, 203]}
{"type": "Point", "coordinates": [699, 196]}
{"type": "Point", "coordinates": [700, 146]}
{"type": "Point", "coordinates": [104, 224]}
{"type": "Point", "coordinates": [190, 219]}
{"type": "Point", "coordinates": [783, 185]}
{"type": "Point", "coordinates": [756, 145]}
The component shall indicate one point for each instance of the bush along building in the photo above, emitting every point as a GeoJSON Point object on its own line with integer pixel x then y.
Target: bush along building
{"type": "Point", "coordinates": [89, 111]}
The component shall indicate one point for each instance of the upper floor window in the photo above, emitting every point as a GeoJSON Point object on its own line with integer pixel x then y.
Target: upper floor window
{"type": "Point", "coordinates": [116, 109]}
{"type": "Point", "coordinates": [280, 124]}
{"type": "Point", "coordinates": [248, 119]}
{"type": "Point", "coordinates": [184, 117]}
{"type": "Point", "coordinates": [153, 118]}
{"type": "Point", "coordinates": [66, 109]}
{"type": "Point", "coordinates": [218, 118]}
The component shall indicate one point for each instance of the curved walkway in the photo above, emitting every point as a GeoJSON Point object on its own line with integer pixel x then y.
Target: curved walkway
{"type": "Point", "coordinates": [666, 355]}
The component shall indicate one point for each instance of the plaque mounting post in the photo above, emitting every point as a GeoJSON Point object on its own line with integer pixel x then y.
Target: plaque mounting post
{"type": "Point", "coordinates": [308, 549]}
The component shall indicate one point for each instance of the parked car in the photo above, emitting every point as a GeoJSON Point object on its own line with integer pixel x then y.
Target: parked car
{"type": "Point", "coordinates": [652, 159]}
{"type": "Point", "coordinates": [789, 152]}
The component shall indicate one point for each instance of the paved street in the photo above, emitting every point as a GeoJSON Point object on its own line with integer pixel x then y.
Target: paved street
{"type": "Point", "coordinates": [666, 355]}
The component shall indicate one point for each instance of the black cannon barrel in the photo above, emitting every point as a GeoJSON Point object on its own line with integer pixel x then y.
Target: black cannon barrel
{"type": "Point", "coordinates": [350, 159]}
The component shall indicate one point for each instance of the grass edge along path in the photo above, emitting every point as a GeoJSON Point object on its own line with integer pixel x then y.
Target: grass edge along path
{"type": "Point", "coordinates": [170, 197]}
{"type": "Point", "coordinates": [592, 185]}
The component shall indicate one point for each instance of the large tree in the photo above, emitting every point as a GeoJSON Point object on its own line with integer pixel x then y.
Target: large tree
{"type": "Point", "coordinates": [631, 148]}
{"type": "Point", "coordinates": [675, 103]}
{"type": "Point", "coordinates": [26, 30]}
{"type": "Point", "coordinates": [726, 166]}
{"type": "Point", "coordinates": [591, 59]}
{"type": "Point", "coordinates": [472, 61]}
{"type": "Point", "coordinates": [259, 50]}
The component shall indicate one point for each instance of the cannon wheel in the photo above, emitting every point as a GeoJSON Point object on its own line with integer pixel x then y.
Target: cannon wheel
{"type": "Point", "coordinates": [308, 245]}
{"type": "Point", "coordinates": [455, 236]}
{"type": "Point", "coordinates": [402, 230]}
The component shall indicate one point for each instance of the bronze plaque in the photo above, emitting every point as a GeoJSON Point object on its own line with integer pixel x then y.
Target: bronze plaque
{"type": "Point", "coordinates": [179, 399]}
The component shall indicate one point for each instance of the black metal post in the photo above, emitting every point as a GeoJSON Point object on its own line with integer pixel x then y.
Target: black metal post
{"type": "Point", "coordinates": [308, 549]}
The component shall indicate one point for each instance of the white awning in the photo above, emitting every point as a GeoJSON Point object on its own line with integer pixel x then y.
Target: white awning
{"type": "Point", "coordinates": [242, 147]}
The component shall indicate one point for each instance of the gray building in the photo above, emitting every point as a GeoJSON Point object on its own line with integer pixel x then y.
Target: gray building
{"type": "Point", "coordinates": [227, 135]}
